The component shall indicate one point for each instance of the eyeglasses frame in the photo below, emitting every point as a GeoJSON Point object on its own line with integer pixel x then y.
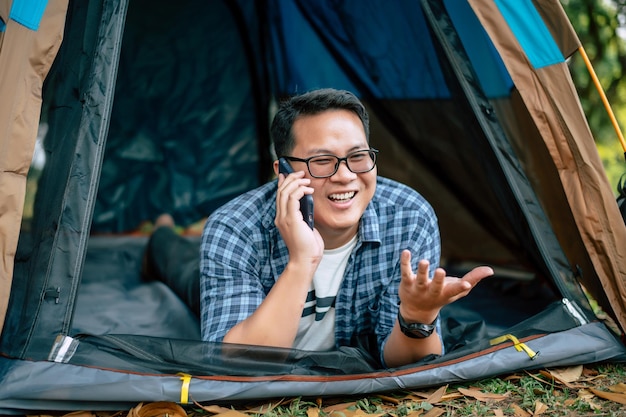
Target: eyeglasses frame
{"type": "Point", "coordinates": [373, 152]}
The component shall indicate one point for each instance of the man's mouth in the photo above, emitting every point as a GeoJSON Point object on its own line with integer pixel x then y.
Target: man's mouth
{"type": "Point", "coordinates": [342, 197]}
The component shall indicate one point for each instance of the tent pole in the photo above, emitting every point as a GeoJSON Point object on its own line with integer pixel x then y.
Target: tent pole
{"type": "Point", "coordinates": [607, 106]}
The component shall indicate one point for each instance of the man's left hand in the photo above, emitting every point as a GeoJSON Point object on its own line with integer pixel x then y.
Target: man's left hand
{"type": "Point", "coordinates": [422, 298]}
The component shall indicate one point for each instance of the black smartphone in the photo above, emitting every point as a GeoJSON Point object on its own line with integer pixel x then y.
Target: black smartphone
{"type": "Point", "coordinates": [306, 202]}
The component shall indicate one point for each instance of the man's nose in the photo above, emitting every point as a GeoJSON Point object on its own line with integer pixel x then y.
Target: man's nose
{"type": "Point", "coordinates": [343, 171]}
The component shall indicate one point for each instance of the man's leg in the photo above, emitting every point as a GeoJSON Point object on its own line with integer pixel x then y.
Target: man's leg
{"type": "Point", "coordinates": [174, 260]}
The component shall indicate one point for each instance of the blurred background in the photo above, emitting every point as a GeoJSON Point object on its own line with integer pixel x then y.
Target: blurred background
{"type": "Point", "coordinates": [601, 28]}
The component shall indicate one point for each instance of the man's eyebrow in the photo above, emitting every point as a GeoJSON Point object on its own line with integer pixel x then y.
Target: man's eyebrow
{"type": "Point", "coordinates": [320, 151]}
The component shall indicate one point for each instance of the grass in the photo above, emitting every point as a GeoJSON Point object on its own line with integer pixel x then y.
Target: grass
{"type": "Point", "coordinates": [525, 394]}
{"type": "Point", "coordinates": [572, 391]}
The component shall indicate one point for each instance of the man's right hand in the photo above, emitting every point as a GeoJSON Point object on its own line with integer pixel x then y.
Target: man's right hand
{"type": "Point", "coordinates": [306, 246]}
{"type": "Point", "coordinates": [276, 320]}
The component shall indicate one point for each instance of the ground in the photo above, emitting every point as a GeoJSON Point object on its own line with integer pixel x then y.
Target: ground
{"type": "Point", "coordinates": [590, 390]}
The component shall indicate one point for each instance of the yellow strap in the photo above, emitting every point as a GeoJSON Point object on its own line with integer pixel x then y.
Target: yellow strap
{"type": "Point", "coordinates": [519, 346]}
{"type": "Point", "coordinates": [605, 101]}
{"type": "Point", "coordinates": [184, 389]}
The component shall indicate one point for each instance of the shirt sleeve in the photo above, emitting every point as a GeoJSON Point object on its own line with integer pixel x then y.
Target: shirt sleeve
{"type": "Point", "coordinates": [230, 288]}
{"type": "Point", "coordinates": [424, 243]}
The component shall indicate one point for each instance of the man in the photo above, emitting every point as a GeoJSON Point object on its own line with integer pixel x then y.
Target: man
{"type": "Point", "coordinates": [267, 278]}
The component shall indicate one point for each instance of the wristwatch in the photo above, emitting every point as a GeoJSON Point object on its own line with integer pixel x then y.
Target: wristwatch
{"type": "Point", "coordinates": [415, 330]}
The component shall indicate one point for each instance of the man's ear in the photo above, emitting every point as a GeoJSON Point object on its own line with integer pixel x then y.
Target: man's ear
{"type": "Point", "coordinates": [275, 165]}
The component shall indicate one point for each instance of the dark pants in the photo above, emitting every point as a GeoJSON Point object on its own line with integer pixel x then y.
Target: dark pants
{"type": "Point", "coordinates": [175, 260]}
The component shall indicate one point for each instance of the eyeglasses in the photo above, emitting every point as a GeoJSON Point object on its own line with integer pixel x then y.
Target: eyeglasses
{"type": "Point", "coordinates": [324, 166]}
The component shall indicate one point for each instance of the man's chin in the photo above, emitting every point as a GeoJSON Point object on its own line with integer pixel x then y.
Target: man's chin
{"type": "Point", "coordinates": [341, 225]}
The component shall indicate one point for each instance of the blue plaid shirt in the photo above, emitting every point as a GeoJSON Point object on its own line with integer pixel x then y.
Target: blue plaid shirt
{"type": "Point", "coordinates": [242, 255]}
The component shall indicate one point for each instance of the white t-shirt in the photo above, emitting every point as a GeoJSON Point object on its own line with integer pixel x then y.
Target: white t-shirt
{"type": "Point", "coordinates": [317, 325]}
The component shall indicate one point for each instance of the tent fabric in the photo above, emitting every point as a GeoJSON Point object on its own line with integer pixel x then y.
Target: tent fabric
{"type": "Point", "coordinates": [28, 12]}
{"type": "Point", "coordinates": [531, 33]}
{"type": "Point", "coordinates": [52, 252]}
{"type": "Point", "coordinates": [560, 119]}
{"type": "Point", "coordinates": [170, 128]}
{"type": "Point", "coordinates": [112, 291]}
{"type": "Point", "coordinates": [509, 166]}
{"type": "Point", "coordinates": [61, 386]}
{"type": "Point", "coordinates": [26, 56]}
{"type": "Point", "coordinates": [558, 24]}
{"type": "Point", "coordinates": [354, 55]}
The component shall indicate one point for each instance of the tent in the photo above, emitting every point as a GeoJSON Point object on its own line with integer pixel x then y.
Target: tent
{"type": "Point", "coordinates": [156, 106]}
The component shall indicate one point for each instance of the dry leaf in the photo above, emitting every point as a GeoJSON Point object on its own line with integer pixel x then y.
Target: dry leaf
{"type": "Point", "coordinates": [157, 409]}
{"type": "Point", "coordinates": [584, 394]}
{"type": "Point", "coordinates": [436, 396]}
{"type": "Point", "coordinates": [498, 413]}
{"type": "Point", "coordinates": [482, 396]}
{"type": "Point", "coordinates": [587, 396]}
{"type": "Point", "coordinates": [420, 394]}
{"type": "Point", "coordinates": [392, 400]}
{"type": "Point", "coordinates": [590, 372]}
{"type": "Point", "coordinates": [567, 375]}
{"type": "Point", "coordinates": [338, 407]}
{"type": "Point", "coordinates": [434, 412]}
{"type": "Point", "coordinates": [556, 378]}
{"type": "Point", "coordinates": [621, 387]}
{"type": "Point", "coordinates": [519, 411]}
{"type": "Point", "coordinates": [313, 412]}
{"type": "Point", "coordinates": [215, 409]}
{"type": "Point", "coordinates": [231, 413]}
{"type": "Point", "coordinates": [540, 408]}
{"type": "Point", "coordinates": [612, 396]}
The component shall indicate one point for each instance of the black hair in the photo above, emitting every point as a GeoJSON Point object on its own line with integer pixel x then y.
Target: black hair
{"type": "Point", "coordinates": [312, 103]}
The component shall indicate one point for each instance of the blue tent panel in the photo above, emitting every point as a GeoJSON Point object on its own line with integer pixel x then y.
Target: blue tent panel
{"type": "Point", "coordinates": [328, 46]}
{"type": "Point", "coordinates": [28, 12]}
{"type": "Point", "coordinates": [531, 32]}
{"type": "Point", "coordinates": [490, 70]}
{"type": "Point", "coordinates": [351, 41]}
{"type": "Point", "coordinates": [293, 36]}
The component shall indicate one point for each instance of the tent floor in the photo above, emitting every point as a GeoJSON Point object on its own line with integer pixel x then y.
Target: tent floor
{"type": "Point", "coordinates": [113, 299]}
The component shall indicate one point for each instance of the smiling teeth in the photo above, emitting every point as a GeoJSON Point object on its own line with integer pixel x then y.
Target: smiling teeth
{"type": "Point", "coordinates": [342, 197]}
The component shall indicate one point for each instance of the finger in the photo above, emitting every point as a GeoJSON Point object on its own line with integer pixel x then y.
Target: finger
{"type": "Point", "coordinates": [294, 185]}
{"type": "Point", "coordinates": [474, 276]}
{"type": "Point", "coordinates": [422, 272]}
{"type": "Point", "coordinates": [438, 281]}
{"type": "Point", "coordinates": [288, 199]}
{"type": "Point", "coordinates": [457, 288]}
{"type": "Point", "coordinates": [405, 265]}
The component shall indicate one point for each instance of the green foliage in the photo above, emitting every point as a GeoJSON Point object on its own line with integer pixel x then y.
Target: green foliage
{"type": "Point", "coordinates": [598, 25]}
{"type": "Point", "coordinates": [474, 408]}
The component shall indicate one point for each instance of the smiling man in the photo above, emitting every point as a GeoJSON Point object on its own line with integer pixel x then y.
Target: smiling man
{"type": "Point", "coordinates": [360, 277]}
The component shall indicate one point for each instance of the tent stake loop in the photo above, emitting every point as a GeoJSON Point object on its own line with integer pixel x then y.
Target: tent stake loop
{"type": "Point", "coordinates": [519, 346]}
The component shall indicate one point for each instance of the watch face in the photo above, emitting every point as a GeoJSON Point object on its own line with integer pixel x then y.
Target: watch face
{"type": "Point", "coordinates": [418, 330]}
{"type": "Point", "coordinates": [415, 330]}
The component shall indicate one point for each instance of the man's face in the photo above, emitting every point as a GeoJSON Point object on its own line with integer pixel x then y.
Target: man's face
{"type": "Point", "coordinates": [339, 200]}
